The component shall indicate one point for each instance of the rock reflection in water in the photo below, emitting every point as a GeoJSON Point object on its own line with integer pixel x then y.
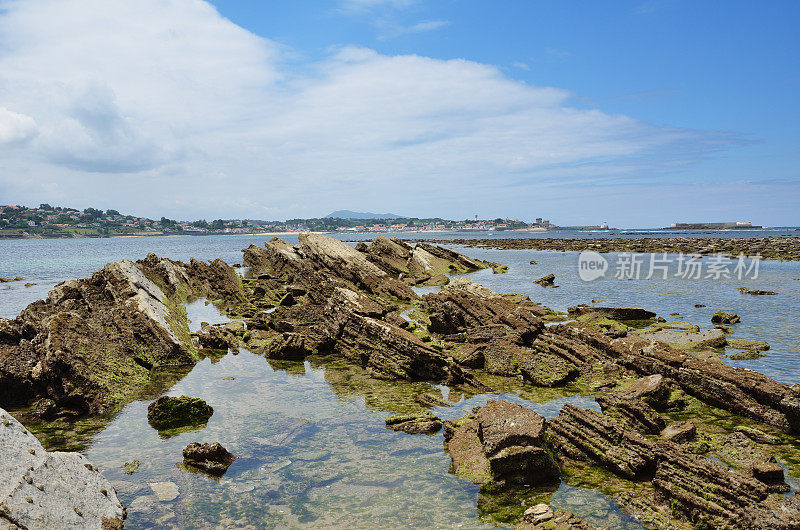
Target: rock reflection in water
{"type": "Point", "coordinates": [313, 451]}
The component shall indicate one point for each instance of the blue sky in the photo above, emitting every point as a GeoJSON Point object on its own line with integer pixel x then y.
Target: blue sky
{"type": "Point", "coordinates": [637, 113]}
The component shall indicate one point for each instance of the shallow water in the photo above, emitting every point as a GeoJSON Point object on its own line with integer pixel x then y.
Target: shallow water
{"type": "Point", "coordinates": [312, 452]}
{"type": "Point", "coordinates": [311, 438]}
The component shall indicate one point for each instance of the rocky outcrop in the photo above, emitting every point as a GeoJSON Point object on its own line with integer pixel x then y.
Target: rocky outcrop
{"type": "Point", "coordinates": [635, 412]}
{"type": "Point", "coordinates": [709, 494]}
{"type": "Point", "coordinates": [777, 248]}
{"type": "Point", "coordinates": [735, 389]}
{"type": "Point", "coordinates": [92, 342]}
{"type": "Point", "coordinates": [590, 436]}
{"type": "Point", "coordinates": [721, 317]}
{"type": "Point", "coordinates": [39, 489]}
{"type": "Point", "coordinates": [209, 458]}
{"type": "Point", "coordinates": [349, 264]}
{"type": "Point", "coordinates": [170, 412]}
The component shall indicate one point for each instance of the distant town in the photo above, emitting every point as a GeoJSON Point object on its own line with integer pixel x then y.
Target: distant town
{"type": "Point", "coordinates": [47, 221]}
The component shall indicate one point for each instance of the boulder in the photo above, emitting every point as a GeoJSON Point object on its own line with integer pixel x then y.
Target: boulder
{"type": "Point", "coordinates": [652, 389]}
{"type": "Point", "coordinates": [210, 458]}
{"type": "Point", "coordinates": [546, 281]}
{"type": "Point", "coordinates": [548, 370]}
{"type": "Point", "coordinates": [501, 442]}
{"type": "Point", "coordinates": [170, 412]}
{"type": "Point", "coordinates": [514, 440]}
{"type": "Point", "coordinates": [40, 489]}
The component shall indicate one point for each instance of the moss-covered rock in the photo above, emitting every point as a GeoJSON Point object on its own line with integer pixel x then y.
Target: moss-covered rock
{"type": "Point", "coordinates": [170, 412]}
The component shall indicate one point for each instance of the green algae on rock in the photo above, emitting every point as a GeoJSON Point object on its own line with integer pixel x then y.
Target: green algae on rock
{"type": "Point", "coordinates": [170, 412]}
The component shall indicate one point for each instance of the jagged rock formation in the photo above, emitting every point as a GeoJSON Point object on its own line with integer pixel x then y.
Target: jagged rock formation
{"type": "Point", "coordinates": [590, 436]}
{"type": "Point", "coordinates": [51, 490]}
{"type": "Point", "coordinates": [92, 343]}
{"type": "Point", "coordinates": [738, 390]}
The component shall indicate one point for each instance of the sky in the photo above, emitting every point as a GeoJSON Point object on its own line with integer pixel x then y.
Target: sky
{"type": "Point", "coordinates": [637, 113]}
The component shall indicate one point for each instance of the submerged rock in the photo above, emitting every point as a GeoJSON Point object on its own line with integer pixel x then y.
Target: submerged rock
{"type": "Point", "coordinates": [169, 412]}
{"type": "Point", "coordinates": [745, 290]}
{"type": "Point", "coordinates": [210, 458]}
{"type": "Point", "coordinates": [421, 423]}
{"type": "Point", "coordinates": [542, 517]}
{"type": "Point", "coordinates": [40, 489]}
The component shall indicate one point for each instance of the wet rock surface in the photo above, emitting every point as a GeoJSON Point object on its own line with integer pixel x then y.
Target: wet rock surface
{"type": "Point", "coordinates": [210, 458]}
{"type": "Point", "coordinates": [40, 489]}
{"type": "Point", "coordinates": [504, 441]}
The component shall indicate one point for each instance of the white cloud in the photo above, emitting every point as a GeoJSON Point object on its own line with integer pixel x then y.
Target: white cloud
{"type": "Point", "coordinates": [151, 102]}
{"type": "Point", "coordinates": [15, 127]}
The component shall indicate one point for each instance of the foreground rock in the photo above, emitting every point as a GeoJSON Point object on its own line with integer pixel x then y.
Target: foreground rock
{"type": "Point", "coordinates": [589, 436]}
{"type": "Point", "coordinates": [209, 458]}
{"type": "Point", "coordinates": [708, 494]}
{"type": "Point", "coordinates": [90, 346]}
{"type": "Point", "coordinates": [51, 490]}
{"type": "Point", "coordinates": [170, 412]}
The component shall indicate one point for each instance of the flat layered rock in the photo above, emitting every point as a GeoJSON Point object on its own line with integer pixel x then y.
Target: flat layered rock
{"type": "Point", "coordinates": [590, 436]}
{"type": "Point", "coordinates": [422, 423]}
{"type": "Point", "coordinates": [707, 493]}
